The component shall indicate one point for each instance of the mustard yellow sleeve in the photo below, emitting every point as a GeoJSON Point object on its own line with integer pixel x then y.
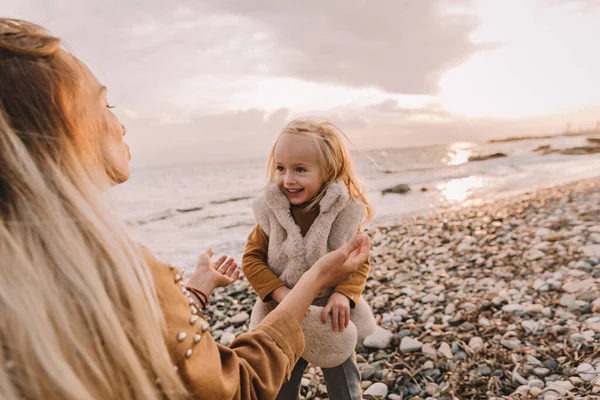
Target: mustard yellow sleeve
{"type": "Point", "coordinates": [255, 267]}
{"type": "Point", "coordinates": [253, 367]}
{"type": "Point", "coordinates": [355, 285]}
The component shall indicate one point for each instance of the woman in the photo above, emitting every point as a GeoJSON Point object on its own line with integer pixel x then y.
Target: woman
{"type": "Point", "coordinates": [87, 313]}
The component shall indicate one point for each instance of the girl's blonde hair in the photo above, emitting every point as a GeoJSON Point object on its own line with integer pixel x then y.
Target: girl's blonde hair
{"type": "Point", "coordinates": [334, 158]}
{"type": "Point", "coordinates": [80, 315]}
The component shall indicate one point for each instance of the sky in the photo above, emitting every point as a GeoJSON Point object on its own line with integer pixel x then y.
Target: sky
{"type": "Point", "coordinates": [218, 79]}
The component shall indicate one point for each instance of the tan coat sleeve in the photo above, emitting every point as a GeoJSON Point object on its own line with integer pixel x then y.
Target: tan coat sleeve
{"type": "Point", "coordinates": [255, 267]}
{"type": "Point", "coordinates": [253, 367]}
{"type": "Point", "coordinates": [355, 285]}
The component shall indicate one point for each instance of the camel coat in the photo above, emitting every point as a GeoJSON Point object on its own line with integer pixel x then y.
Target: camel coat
{"type": "Point", "coordinates": [254, 366]}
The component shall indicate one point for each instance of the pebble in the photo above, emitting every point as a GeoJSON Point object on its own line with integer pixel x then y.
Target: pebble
{"type": "Point", "coordinates": [377, 390]}
{"type": "Point", "coordinates": [541, 371]}
{"type": "Point", "coordinates": [445, 351]}
{"type": "Point", "coordinates": [227, 338]}
{"type": "Point", "coordinates": [510, 344]}
{"type": "Point", "coordinates": [429, 351]}
{"type": "Point", "coordinates": [432, 389]}
{"type": "Point", "coordinates": [538, 383]}
{"type": "Point", "coordinates": [239, 318]}
{"type": "Point", "coordinates": [409, 345]}
{"type": "Point", "coordinates": [476, 344]}
{"type": "Point", "coordinates": [513, 286]}
{"type": "Point", "coordinates": [586, 372]}
{"type": "Point", "coordinates": [380, 339]}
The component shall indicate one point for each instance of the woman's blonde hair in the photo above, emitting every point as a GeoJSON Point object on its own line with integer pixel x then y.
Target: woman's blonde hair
{"type": "Point", "coordinates": [334, 158]}
{"type": "Point", "coordinates": [80, 315]}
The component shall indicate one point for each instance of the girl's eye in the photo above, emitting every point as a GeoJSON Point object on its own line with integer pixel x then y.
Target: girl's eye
{"type": "Point", "coordinates": [300, 170]}
{"type": "Point", "coordinates": [279, 168]}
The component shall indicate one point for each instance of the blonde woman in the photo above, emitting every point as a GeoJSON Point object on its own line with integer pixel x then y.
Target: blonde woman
{"type": "Point", "coordinates": [86, 313]}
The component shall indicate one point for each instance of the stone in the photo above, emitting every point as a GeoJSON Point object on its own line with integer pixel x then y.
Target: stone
{"type": "Point", "coordinates": [533, 254]}
{"type": "Point", "coordinates": [535, 392]}
{"type": "Point", "coordinates": [512, 308]}
{"type": "Point", "coordinates": [567, 300]}
{"type": "Point", "coordinates": [380, 339]}
{"type": "Point", "coordinates": [429, 351]}
{"type": "Point", "coordinates": [227, 338]}
{"type": "Point", "coordinates": [586, 372]}
{"type": "Point", "coordinates": [541, 371]}
{"type": "Point", "coordinates": [429, 298]}
{"type": "Point", "coordinates": [239, 318]}
{"type": "Point", "coordinates": [574, 286]}
{"type": "Point", "coordinates": [592, 250]}
{"type": "Point", "coordinates": [533, 309]}
{"type": "Point", "coordinates": [532, 360]}
{"type": "Point", "coordinates": [537, 383]}
{"type": "Point", "coordinates": [484, 370]}
{"type": "Point", "coordinates": [476, 344]}
{"type": "Point", "coordinates": [543, 233]}
{"type": "Point", "coordinates": [378, 390]}
{"type": "Point", "coordinates": [428, 365]}
{"type": "Point", "coordinates": [432, 389]}
{"type": "Point", "coordinates": [510, 344]}
{"type": "Point", "coordinates": [530, 326]}
{"type": "Point", "coordinates": [410, 345]}
{"type": "Point", "coordinates": [445, 351]}
{"type": "Point", "coordinates": [552, 364]}
{"type": "Point", "coordinates": [540, 285]}
{"type": "Point", "coordinates": [450, 309]}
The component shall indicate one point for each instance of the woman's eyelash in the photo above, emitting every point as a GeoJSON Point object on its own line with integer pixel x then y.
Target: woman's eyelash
{"type": "Point", "coordinates": [109, 106]}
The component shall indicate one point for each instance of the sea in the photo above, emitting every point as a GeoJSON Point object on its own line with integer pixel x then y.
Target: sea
{"type": "Point", "coordinates": [180, 211]}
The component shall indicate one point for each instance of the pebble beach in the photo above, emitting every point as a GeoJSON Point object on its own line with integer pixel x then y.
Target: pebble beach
{"type": "Point", "coordinates": [495, 301]}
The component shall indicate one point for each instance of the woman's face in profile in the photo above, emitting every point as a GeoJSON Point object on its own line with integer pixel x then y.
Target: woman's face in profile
{"type": "Point", "coordinates": [114, 150]}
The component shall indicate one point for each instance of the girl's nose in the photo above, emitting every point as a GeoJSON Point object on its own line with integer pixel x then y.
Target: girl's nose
{"type": "Point", "coordinates": [289, 178]}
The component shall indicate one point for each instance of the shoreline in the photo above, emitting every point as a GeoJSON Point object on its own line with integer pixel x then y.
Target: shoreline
{"type": "Point", "coordinates": [499, 300]}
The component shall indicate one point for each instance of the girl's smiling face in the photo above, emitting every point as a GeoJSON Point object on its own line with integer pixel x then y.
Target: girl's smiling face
{"type": "Point", "coordinates": [298, 172]}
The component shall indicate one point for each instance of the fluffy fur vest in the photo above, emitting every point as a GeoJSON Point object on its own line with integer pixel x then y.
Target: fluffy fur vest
{"type": "Point", "coordinates": [290, 255]}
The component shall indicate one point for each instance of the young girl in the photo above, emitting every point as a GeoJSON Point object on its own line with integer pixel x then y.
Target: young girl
{"type": "Point", "coordinates": [310, 207]}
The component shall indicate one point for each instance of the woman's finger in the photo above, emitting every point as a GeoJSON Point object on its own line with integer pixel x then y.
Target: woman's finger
{"type": "Point", "coordinates": [232, 268]}
{"type": "Point", "coordinates": [347, 318]}
{"type": "Point", "coordinates": [220, 261]}
{"type": "Point", "coordinates": [209, 253]}
{"type": "Point", "coordinates": [236, 274]}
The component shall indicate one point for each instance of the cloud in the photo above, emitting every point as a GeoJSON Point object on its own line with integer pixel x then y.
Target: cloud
{"type": "Point", "coordinates": [231, 135]}
{"type": "Point", "coordinates": [398, 46]}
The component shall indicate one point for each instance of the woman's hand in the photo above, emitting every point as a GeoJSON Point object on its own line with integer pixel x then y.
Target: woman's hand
{"type": "Point", "coordinates": [280, 293]}
{"type": "Point", "coordinates": [339, 307]}
{"type": "Point", "coordinates": [209, 275]}
{"type": "Point", "coordinates": [329, 270]}
{"type": "Point", "coordinates": [337, 266]}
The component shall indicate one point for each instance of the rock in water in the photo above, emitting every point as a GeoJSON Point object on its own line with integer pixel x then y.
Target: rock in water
{"type": "Point", "coordinates": [398, 189]}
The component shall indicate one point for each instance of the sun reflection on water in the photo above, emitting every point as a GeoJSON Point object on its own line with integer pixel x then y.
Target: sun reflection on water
{"type": "Point", "coordinates": [457, 190]}
{"type": "Point", "coordinates": [458, 153]}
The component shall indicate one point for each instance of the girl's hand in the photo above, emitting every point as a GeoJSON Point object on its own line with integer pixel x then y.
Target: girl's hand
{"type": "Point", "coordinates": [337, 266]}
{"type": "Point", "coordinates": [339, 307]}
{"type": "Point", "coordinates": [209, 275]}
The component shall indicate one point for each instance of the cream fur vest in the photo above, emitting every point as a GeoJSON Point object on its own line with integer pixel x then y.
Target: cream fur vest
{"type": "Point", "coordinates": [289, 255]}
